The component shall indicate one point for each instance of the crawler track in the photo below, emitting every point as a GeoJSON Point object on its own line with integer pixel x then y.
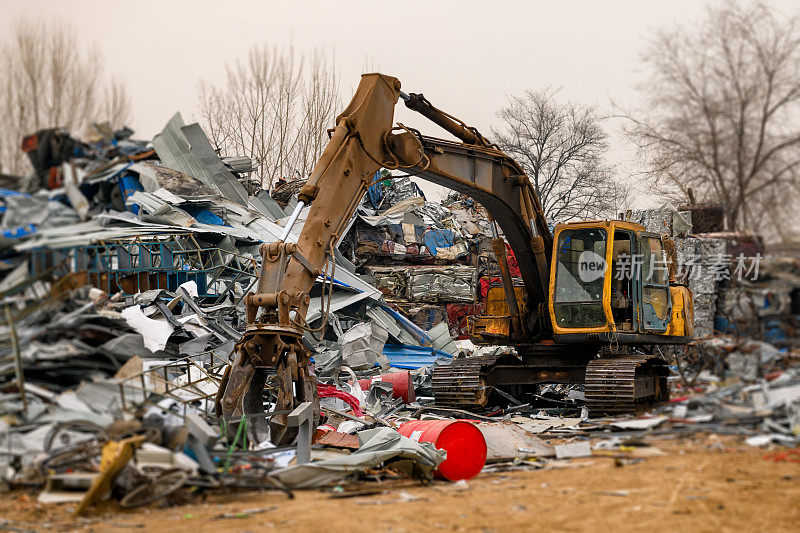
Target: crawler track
{"type": "Point", "coordinates": [462, 383]}
{"type": "Point", "coordinates": [625, 384]}
{"type": "Point", "coordinates": [613, 384]}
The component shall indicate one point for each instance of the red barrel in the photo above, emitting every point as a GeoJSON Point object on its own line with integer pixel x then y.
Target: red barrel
{"type": "Point", "coordinates": [402, 387]}
{"type": "Point", "coordinates": [464, 443]}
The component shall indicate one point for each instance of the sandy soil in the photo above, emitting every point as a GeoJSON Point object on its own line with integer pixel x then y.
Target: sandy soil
{"type": "Point", "coordinates": [707, 483]}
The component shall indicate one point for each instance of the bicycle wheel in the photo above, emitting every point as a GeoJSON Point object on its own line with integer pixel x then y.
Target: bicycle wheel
{"type": "Point", "coordinates": [71, 433]}
{"type": "Point", "coordinates": [155, 490]}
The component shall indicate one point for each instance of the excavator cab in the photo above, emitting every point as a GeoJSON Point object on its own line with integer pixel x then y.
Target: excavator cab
{"type": "Point", "coordinates": [613, 280]}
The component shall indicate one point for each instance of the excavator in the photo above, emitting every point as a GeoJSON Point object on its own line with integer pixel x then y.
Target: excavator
{"type": "Point", "coordinates": [574, 320]}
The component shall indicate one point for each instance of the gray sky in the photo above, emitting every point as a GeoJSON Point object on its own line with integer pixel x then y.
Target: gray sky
{"type": "Point", "coordinates": [465, 56]}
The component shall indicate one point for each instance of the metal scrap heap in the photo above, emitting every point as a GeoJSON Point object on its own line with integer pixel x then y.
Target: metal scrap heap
{"type": "Point", "coordinates": [124, 268]}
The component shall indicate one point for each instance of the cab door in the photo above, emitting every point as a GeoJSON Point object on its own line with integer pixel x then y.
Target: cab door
{"type": "Point", "coordinates": [654, 296]}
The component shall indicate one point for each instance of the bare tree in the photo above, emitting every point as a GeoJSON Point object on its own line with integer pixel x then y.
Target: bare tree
{"type": "Point", "coordinates": [47, 79]}
{"type": "Point", "coordinates": [561, 147]}
{"type": "Point", "coordinates": [275, 107]}
{"type": "Point", "coordinates": [722, 109]}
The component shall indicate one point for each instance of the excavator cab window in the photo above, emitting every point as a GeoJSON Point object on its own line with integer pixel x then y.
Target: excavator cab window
{"type": "Point", "coordinates": [656, 301]}
{"type": "Point", "coordinates": [623, 288]}
{"type": "Point", "coordinates": [580, 273]}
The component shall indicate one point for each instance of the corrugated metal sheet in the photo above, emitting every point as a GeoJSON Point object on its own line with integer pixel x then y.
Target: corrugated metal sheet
{"type": "Point", "coordinates": [412, 357]}
{"type": "Point", "coordinates": [186, 148]}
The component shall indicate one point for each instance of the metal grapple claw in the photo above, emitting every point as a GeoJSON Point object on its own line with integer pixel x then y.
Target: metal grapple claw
{"type": "Point", "coordinates": [267, 350]}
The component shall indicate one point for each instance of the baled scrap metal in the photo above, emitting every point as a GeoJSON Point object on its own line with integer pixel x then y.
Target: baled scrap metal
{"type": "Point", "coordinates": [392, 281]}
{"type": "Point", "coordinates": [471, 223]}
{"type": "Point", "coordinates": [400, 213]}
{"type": "Point", "coordinates": [441, 284]}
{"type": "Point", "coordinates": [704, 264]}
{"type": "Point", "coordinates": [426, 284]}
{"type": "Point", "coordinates": [666, 220]}
{"type": "Point", "coordinates": [401, 188]}
{"type": "Point", "coordinates": [711, 249]}
{"type": "Point", "coordinates": [751, 302]}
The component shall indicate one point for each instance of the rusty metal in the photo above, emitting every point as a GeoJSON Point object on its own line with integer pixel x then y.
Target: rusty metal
{"type": "Point", "coordinates": [276, 311]}
{"type": "Point", "coordinates": [463, 382]}
{"type": "Point", "coordinates": [625, 384]}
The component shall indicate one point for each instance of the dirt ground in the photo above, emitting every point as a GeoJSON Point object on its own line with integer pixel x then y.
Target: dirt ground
{"type": "Point", "coordinates": [706, 483]}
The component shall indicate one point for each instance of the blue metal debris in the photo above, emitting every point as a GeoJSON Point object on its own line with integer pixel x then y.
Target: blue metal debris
{"type": "Point", "coordinates": [375, 191]}
{"type": "Point", "coordinates": [438, 238]}
{"type": "Point", "coordinates": [418, 333]}
{"type": "Point", "coordinates": [412, 357]}
{"type": "Point", "coordinates": [22, 231]}
{"type": "Point", "coordinates": [204, 215]}
{"type": "Point", "coordinates": [129, 184]}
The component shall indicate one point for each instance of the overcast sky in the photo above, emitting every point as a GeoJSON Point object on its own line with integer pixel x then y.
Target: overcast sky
{"type": "Point", "coordinates": [465, 56]}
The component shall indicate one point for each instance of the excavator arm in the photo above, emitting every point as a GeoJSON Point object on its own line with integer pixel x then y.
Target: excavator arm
{"type": "Point", "coordinates": [364, 141]}
{"type": "Point", "coordinates": [495, 181]}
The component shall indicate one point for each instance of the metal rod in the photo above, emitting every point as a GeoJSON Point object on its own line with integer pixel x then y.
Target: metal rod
{"type": "Point", "coordinates": [12, 331]}
{"type": "Point", "coordinates": [292, 220]}
{"type": "Point", "coordinates": [355, 418]}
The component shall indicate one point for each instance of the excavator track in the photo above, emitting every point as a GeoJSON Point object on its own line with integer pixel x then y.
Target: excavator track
{"type": "Point", "coordinates": [626, 384]}
{"type": "Point", "coordinates": [462, 383]}
{"type": "Point", "coordinates": [613, 385]}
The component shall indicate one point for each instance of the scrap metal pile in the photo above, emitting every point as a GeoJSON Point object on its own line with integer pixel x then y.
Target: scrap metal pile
{"type": "Point", "coordinates": [124, 270]}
